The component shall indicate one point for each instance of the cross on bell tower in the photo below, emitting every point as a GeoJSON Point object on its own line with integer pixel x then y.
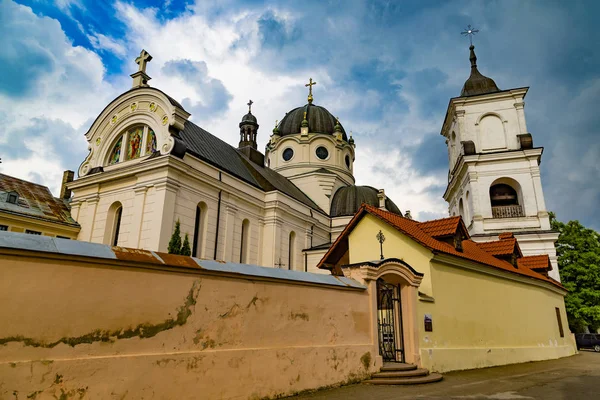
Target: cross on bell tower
{"type": "Point", "coordinates": [140, 78]}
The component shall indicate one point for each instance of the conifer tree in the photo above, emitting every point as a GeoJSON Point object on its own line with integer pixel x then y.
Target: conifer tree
{"type": "Point", "coordinates": [175, 242]}
{"type": "Point", "coordinates": [185, 248]}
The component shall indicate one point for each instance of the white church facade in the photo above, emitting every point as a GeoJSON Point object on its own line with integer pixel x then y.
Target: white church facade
{"type": "Point", "coordinates": [150, 166]}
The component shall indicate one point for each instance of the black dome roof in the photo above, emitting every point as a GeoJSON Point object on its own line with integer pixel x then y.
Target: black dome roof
{"type": "Point", "coordinates": [347, 200]}
{"type": "Point", "coordinates": [477, 83]}
{"type": "Point", "coordinates": [249, 118]}
{"type": "Point", "coordinates": [319, 121]}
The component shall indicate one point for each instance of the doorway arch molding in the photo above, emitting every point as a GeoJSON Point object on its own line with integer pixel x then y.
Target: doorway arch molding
{"type": "Point", "coordinates": [390, 267]}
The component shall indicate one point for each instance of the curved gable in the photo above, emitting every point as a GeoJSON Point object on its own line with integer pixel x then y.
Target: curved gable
{"type": "Point", "coordinates": [144, 106]}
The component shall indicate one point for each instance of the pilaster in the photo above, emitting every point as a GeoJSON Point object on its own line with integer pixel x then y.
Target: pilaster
{"type": "Point", "coordinates": [87, 218]}
{"type": "Point", "coordinates": [139, 203]}
{"type": "Point", "coordinates": [520, 107]}
{"type": "Point", "coordinates": [228, 234]}
{"type": "Point", "coordinates": [165, 195]}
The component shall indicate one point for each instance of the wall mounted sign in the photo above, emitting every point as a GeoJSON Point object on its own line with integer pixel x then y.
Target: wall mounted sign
{"type": "Point", "coordinates": [428, 323]}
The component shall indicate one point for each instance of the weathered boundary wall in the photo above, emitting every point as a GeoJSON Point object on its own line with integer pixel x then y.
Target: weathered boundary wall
{"type": "Point", "coordinates": [80, 320]}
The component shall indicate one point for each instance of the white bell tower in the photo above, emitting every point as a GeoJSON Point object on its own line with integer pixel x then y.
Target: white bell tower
{"type": "Point", "coordinates": [494, 178]}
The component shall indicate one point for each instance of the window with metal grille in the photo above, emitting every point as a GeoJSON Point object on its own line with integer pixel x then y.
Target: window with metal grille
{"type": "Point", "coordinates": [30, 232]}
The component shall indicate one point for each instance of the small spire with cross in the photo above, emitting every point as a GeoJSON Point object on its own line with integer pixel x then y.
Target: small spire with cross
{"type": "Point", "coordinates": [140, 78]}
{"type": "Point", "coordinates": [309, 85]}
{"type": "Point", "coordinates": [380, 238]}
{"type": "Point", "coordinates": [470, 32]}
{"type": "Point", "coordinates": [249, 104]}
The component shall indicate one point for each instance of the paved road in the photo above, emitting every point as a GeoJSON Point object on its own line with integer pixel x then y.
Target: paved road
{"type": "Point", "coordinates": [571, 378]}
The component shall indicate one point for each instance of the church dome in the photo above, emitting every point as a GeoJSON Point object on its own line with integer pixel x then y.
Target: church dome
{"type": "Point", "coordinates": [320, 120]}
{"type": "Point", "coordinates": [248, 118]}
{"type": "Point", "coordinates": [347, 200]}
{"type": "Point", "coordinates": [477, 84]}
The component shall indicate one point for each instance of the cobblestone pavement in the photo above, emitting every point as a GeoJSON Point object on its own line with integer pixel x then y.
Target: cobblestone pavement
{"type": "Point", "coordinates": [571, 378]}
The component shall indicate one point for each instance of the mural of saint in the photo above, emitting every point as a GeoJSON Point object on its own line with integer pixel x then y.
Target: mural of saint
{"type": "Point", "coordinates": [115, 153]}
{"type": "Point", "coordinates": [151, 143]}
{"type": "Point", "coordinates": [135, 143]}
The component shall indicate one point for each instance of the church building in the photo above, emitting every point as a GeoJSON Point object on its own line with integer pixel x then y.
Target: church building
{"type": "Point", "coordinates": [150, 166]}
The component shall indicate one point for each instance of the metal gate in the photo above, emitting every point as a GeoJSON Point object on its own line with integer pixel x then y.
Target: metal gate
{"type": "Point", "coordinates": [389, 322]}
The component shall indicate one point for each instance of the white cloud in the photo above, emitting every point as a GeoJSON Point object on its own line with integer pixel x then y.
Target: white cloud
{"type": "Point", "coordinates": [51, 91]}
{"type": "Point", "coordinates": [108, 44]}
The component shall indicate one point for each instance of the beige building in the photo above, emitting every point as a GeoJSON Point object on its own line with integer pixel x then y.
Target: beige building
{"type": "Point", "coordinates": [27, 207]}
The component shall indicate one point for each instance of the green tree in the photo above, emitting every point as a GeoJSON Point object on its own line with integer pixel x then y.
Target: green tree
{"type": "Point", "coordinates": [185, 248]}
{"type": "Point", "coordinates": [175, 242]}
{"type": "Point", "coordinates": [578, 251]}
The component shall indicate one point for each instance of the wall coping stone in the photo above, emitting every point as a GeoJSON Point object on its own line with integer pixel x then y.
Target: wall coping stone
{"type": "Point", "coordinates": [57, 246]}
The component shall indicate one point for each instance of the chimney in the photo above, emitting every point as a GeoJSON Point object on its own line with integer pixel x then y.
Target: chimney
{"type": "Point", "coordinates": [407, 214]}
{"type": "Point", "coordinates": [65, 193]}
{"type": "Point", "coordinates": [382, 197]}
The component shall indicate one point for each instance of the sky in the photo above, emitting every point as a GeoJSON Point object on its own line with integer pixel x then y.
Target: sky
{"type": "Point", "coordinates": [386, 68]}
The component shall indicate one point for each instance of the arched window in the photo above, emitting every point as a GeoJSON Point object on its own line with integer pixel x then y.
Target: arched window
{"type": "Point", "coordinates": [503, 195]}
{"type": "Point", "coordinates": [134, 142]}
{"type": "Point", "coordinates": [113, 224]}
{"type": "Point", "coordinates": [292, 250]}
{"type": "Point", "coordinates": [200, 230]}
{"type": "Point", "coordinates": [461, 209]}
{"type": "Point", "coordinates": [504, 198]}
{"type": "Point", "coordinates": [244, 242]}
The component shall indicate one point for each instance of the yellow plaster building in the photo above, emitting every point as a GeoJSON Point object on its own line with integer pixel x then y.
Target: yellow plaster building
{"type": "Point", "coordinates": [27, 207]}
{"type": "Point", "coordinates": [446, 302]}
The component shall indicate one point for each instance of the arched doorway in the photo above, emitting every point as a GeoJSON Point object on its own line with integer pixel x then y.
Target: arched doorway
{"type": "Point", "coordinates": [389, 321]}
{"type": "Point", "coordinates": [393, 286]}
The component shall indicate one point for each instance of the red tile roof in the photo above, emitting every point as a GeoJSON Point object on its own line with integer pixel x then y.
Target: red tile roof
{"type": "Point", "coordinates": [471, 250]}
{"type": "Point", "coordinates": [499, 247]}
{"type": "Point", "coordinates": [541, 262]}
{"type": "Point", "coordinates": [506, 235]}
{"type": "Point", "coordinates": [440, 227]}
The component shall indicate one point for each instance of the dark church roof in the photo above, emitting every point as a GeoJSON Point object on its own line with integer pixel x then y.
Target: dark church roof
{"type": "Point", "coordinates": [348, 200]}
{"type": "Point", "coordinates": [320, 120]}
{"type": "Point", "coordinates": [220, 154]}
{"type": "Point", "coordinates": [477, 84]}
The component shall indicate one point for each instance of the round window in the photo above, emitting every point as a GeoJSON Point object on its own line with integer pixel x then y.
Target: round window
{"type": "Point", "coordinates": [322, 152]}
{"type": "Point", "coordinates": [288, 154]}
{"type": "Point", "coordinates": [347, 161]}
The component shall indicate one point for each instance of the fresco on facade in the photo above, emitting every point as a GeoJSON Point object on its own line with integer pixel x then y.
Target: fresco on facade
{"type": "Point", "coordinates": [115, 153]}
{"type": "Point", "coordinates": [134, 145]}
{"type": "Point", "coordinates": [151, 142]}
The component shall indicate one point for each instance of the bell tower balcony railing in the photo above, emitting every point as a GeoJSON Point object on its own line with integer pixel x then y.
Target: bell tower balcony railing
{"type": "Point", "coordinates": [507, 211]}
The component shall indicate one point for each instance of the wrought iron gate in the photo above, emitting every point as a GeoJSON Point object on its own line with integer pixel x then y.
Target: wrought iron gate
{"type": "Point", "coordinates": [389, 318]}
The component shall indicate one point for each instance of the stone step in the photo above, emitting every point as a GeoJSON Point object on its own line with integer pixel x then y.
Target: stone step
{"type": "Point", "coordinates": [388, 367]}
{"type": "Point", "coordinates": [415, 380]}
{"type": "Point", "coordinates": [401, 374]}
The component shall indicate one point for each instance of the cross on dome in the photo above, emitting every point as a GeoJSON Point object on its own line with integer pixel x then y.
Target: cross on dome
{"type": "Point", "coordinates": [470, 32]}
{"type": "Point", "coordinates": [310, 84]}
{"type": "Point", "coordinates": [249, 104]}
